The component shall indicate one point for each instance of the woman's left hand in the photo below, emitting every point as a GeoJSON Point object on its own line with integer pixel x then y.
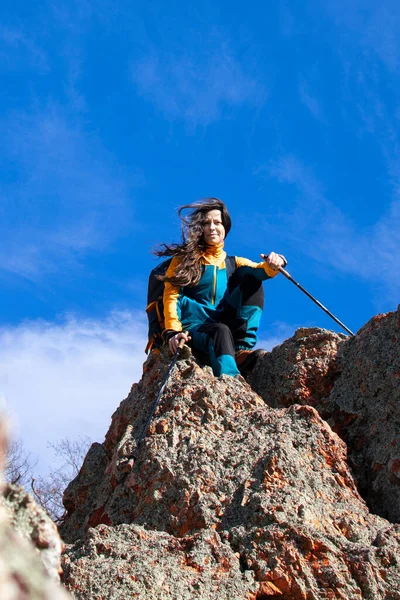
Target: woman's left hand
{"type": "Point", "coordinates": [273, 260]}
{"type": "Point", "coordinates": [174, 340]}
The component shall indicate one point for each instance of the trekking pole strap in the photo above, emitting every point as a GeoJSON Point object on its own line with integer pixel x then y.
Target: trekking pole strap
{"type": "Point", "coordinates": [328, 312]}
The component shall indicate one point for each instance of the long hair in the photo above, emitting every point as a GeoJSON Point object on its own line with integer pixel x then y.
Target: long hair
{"type": "Point", "coordinates": [192, 246]}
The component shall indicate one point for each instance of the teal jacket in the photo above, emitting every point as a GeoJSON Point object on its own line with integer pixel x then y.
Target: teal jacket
{"type": "Point", "coordinates": [188, 307]}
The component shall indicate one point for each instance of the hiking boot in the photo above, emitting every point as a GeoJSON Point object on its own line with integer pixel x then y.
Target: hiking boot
{"type": "Point", "coordinates": [246, 360]}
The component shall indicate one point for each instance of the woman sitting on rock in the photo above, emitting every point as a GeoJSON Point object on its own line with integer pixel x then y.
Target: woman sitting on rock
{"type": "Point", "coordinates": [212, 301]}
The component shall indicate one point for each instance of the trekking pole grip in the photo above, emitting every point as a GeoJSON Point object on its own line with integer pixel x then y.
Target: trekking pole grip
{"type": "Point", "coordinates": [285, 273]}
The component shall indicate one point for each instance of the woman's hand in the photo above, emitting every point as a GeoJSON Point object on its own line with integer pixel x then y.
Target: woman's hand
{"type": "Point", "coordinates": [175, 339]}
{"type": "Point", "coordinates": [274, 260]}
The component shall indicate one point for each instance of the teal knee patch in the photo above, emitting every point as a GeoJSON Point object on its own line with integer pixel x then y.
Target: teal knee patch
{"type": "Point", "coordinates": [252, 316]}
{"type": "Point", "coordinates": [224, 365]}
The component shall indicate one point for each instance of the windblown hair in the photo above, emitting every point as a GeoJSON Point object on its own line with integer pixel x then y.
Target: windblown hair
{"type": "Point", "coordinates": [193, 246]}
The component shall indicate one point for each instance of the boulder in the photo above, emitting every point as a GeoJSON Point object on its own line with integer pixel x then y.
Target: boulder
{"type": "Point", "coordinates": [27, 518]}
{"type": "Point", "coordinates": [355, 385]}
{"type": "Point", "coordinates": [30, 546]}
{"type": "Point", "coordinates": [222, 478]}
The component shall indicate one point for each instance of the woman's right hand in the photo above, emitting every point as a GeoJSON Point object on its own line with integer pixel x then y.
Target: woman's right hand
{"type": "Point", "coordinates": [173, 341]}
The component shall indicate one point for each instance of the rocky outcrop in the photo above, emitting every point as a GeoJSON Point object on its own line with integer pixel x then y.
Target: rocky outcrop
{"type": "Point", "coordinates": [30, 546]}
{"type": "Point", "coordinates": [365, 410]}
{"type": "Point", "coordinates": [229, 496]}
{"type": "Point", "coordinates": [301, 370]}
{"type": "Point", "coordinates": [31, 522]}
{"type": "Point", "coordinates": [355, 386]}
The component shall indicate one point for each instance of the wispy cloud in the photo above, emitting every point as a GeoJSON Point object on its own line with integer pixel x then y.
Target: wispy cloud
{"type": "Point", "coordinates": [18, 50]}
{"type": "Point", "coordinates": [24, 48]}
{"type": "Point", "coordinates": [370, 110]}
{"type": "Point", "coordinates": [63, 194]}
{"type": "Point", "coordinates": [289, 169]}
{"type": "Point", "coordinates": [367, 103]}
{"type": "Point", "coordinates": [323, 232]}
{"type": "Point", "coordinates": [278, 332]}
{"type": "Point", "coordinates": [66, 380]}
{"type": "Point", "coordinates": [195, 87]}
{"type": "Point", "coordinates": [73, 20]}
{"type": "Point", "coordinates": [310, 101]}
{"type": "Point", "coordinates": [373, 25]}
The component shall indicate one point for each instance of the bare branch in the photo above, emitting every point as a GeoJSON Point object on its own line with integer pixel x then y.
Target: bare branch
{"type": "Point", "coordinates": [49, 490]}
{"type": "Point", "coordinates": [19, 465]}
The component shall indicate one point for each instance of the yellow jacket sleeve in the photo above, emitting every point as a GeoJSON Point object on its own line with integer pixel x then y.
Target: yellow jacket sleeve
{"type": "Point", "coordinates": [265, 270]}
{"type": "Point", "coordinates": [170, 300]}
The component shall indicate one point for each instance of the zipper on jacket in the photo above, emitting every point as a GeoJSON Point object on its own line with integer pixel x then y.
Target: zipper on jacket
{"type": "Point", "coordinates": [215, 285]}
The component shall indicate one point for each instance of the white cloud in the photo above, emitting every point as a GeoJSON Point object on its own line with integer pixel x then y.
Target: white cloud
{"type": "Point", "coordinates": [66, 379]}
{"type": "Point", "coordinates": [194, 87]}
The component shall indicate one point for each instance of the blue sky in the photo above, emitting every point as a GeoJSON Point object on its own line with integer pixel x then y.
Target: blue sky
{"type": "Point", "coordinates": [114, 114]}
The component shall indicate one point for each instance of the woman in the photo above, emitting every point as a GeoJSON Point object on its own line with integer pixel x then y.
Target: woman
{"type": "Point", "coordinates": [211, 300]}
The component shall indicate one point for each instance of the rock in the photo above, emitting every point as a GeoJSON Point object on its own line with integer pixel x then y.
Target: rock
{"type": "Point", "coordinates": [364, 408]}
{"type": "Point", "coordinates": [29, 545]}
{"type": "Point", "coordinates": [269, 489]}
{"type": "Point", "coordinates": [355, 385]}
{"type": "Point", "coordinates": [301, 370]}
{"type": "Point", "coordinates": [22, 574]}
{"type": "Point", "coordinates": [28, 519]}
{"type": "Point", "coordinates": [129, 561]}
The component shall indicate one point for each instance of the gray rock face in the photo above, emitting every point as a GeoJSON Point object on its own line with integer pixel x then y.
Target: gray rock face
{"type": "Point", "coordinates": [30, 521]}
{"type": "Point", "coordinates": [365, 410]}
{"type": "Point", "coordinates": [223, 478]}
{"type": "Point", "coordinates": [355, 385]}
{"type": "Point", "coordinates": [30, 546]}
{"type": "Point", "coordinates": [302, 370]}
{"type": "Point", "coordinates": [129, 561]}
{"type": "Point", "coordinates": [22, 575]}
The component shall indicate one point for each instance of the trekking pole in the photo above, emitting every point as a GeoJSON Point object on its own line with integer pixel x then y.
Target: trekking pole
{"type": "Point", "coordinates": [328, 312]}
{"type": "Point", "coordinates": [159, 395]}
